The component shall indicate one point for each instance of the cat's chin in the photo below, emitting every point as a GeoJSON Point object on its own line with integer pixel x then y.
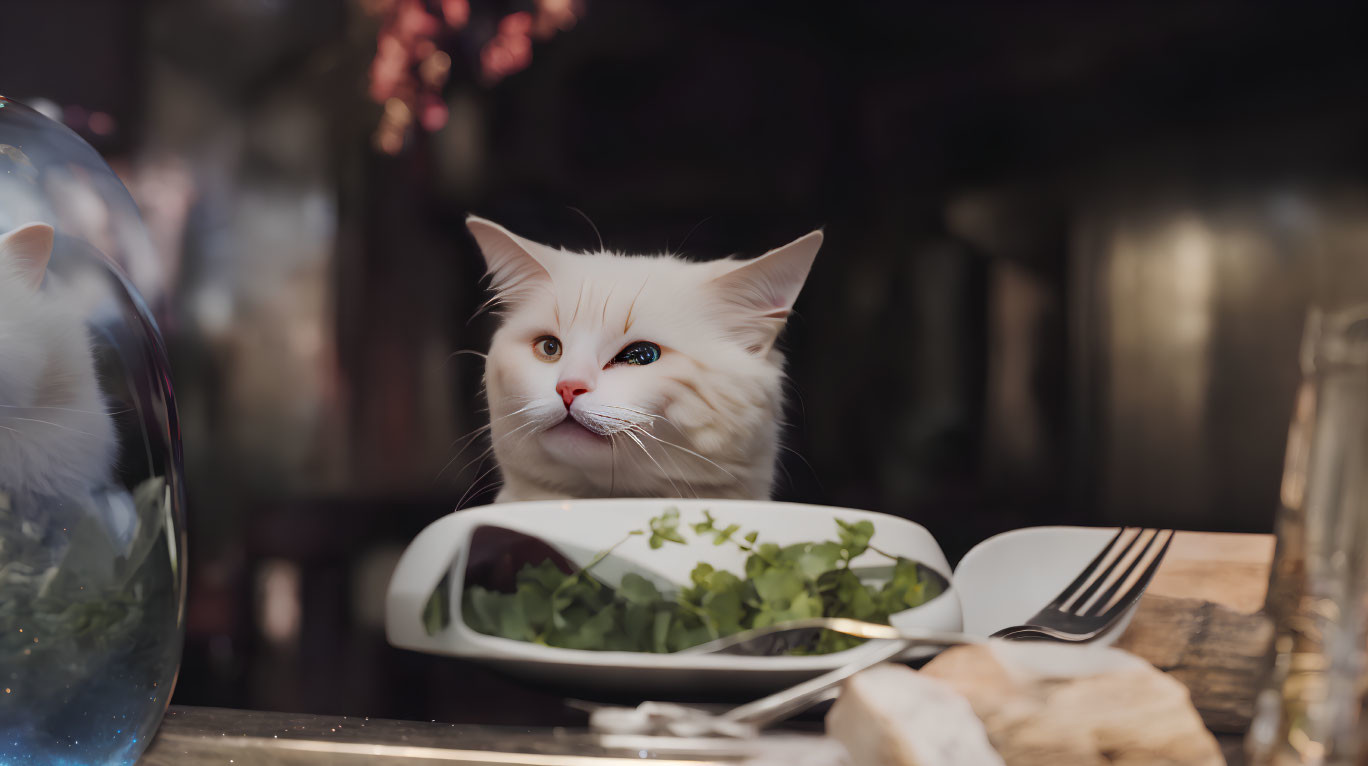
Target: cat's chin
{"type": "Point", "coordinates": [570, 438]}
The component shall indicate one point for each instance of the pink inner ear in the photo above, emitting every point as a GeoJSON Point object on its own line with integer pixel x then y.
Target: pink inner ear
{"type": "Point", "coordinates": [29, 247]}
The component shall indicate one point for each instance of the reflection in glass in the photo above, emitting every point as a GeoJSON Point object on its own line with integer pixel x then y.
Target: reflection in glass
{"type": "Point", "coordinates": [91, 541]}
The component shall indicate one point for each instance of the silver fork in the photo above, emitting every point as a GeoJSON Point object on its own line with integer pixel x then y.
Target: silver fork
{"type": "Point", "coordinates": [1063, 619]}
{"type": "Point", "coordinates": [748, 719]}
{"type": "Point", "coordinates": [1074, 614]}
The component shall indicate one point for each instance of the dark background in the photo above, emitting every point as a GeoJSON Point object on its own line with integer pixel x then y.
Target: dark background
{"type": "Point", "coordinates": [1069, 250]}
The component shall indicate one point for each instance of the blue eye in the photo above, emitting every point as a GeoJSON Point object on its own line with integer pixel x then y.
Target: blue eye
{"type": "Point", "coordinates": [641, 352]}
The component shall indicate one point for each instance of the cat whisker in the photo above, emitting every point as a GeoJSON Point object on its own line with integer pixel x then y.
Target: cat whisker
{"type": "Point", "coordinates": [470, 439]}
{"type": "Point", "coordinates": [591, 225]}
{"type": "Point", "coordinates": [629, 427]}
{"type": "Point", "coordinates": [54, 425]}
{"type": "Point", "coordinates": [649, 456]}
{"type": "Point", "coordinates": [509, 434]}
{"type": "Point", "coordinates": [669, 443]}
{"type": "Point", "coordinates": [635, 463]}
{"type": "Point", "coordinates": [629, 409]}
{"type": "Point", "coordinates": [612, 464]}
{"type": "Point", "coordinates": [455, 354]}
{"type": "Point", "coordinates": [487, 450]}
{"type": "Point", "coordinates": [649, 417]}
{"type": "Point", "coordinates": [805, 462]}
{"type": "Point", "coordinates": [476, 432]}
{"type": "Point", "coordinates": [683, 476]}
{"type": "Point", "coordinates": [484, 307]}
{"type": "Point", "coordinates": [518, 411]}
{"type": "Point", "coordinates": [472, 491]}
{"type": "Point", "coordinates": [788, 475]}
{"type": "Point", "coordinates": [64, 409]}
{"type": "Point", "coordinates": [705, 459]}
{"type": "Point", "coordinates": [792, 388]}
{"type": "Point", "coordinates": [453, 459]}
{"type": "Point", "coordinates": [690, 234]}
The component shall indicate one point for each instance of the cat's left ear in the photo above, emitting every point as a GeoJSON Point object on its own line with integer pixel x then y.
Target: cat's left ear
{"type": "Point", "coordinates": [762, 291]}
{"type": "Point", "coordinates": [28, 248]}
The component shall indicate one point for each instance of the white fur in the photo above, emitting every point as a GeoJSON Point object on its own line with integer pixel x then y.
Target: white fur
{"type": "Point", "coordinates": [56, 437]}
{"type": "Point", "coordinates": [702, 421]}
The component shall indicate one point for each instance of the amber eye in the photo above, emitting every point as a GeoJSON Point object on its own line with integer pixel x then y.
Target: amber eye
{"type": "Point", "coordinates": [641, 352]}
{"type": "Point", "coordinates": [547, 348]}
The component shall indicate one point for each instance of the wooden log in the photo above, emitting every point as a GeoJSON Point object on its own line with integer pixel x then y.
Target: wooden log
{"type": "Point", "coordinates": [1201, 622]}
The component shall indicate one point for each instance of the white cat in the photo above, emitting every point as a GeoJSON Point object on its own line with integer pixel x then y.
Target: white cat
{"type": "Point", "coordinates": [636, 376]}
{"type": "Point", "coordinates": [56, 437]}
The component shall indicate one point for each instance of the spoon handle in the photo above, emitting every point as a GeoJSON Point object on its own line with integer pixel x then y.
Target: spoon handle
{"type": "Point", "coordinates": [775, 639]}
{"type": "Point", "coordinates": [795, 699]}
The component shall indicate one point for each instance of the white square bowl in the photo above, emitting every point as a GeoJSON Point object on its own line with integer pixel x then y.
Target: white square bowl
{"type": "Point", "coordinates": [581, 528]}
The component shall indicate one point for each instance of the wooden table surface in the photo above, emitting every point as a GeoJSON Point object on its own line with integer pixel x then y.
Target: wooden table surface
{"type": "Point", "coordinates": [1228, 571]}
{"type": "Point", "coordinates": [193, 736]}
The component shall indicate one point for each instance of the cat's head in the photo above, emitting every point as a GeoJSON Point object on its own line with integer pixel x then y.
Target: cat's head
{"type": "Point", "coordinates": [24, 254]}
{"type": "Point", "coordinates": [636, 375]}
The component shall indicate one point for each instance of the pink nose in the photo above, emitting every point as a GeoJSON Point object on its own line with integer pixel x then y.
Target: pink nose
{"type": "Point", "coordinates": [569, 389]}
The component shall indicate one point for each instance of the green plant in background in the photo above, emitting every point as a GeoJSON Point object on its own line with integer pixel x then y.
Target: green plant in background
{"type": "Point", "coordinates": [780, 583]}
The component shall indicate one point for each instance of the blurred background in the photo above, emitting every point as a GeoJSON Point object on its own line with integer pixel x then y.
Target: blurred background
{"type": "Point", "coordinates": [1069, 251]}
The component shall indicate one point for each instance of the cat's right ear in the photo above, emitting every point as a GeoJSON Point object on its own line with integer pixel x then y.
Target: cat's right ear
{"type": "Point", "coordinates": [514, 263]}
{"type": "Point", "coordinates": [28, 249]}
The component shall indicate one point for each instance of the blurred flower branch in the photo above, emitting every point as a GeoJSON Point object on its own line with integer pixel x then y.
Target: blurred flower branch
{"type": "Point", "coordinates": [413, 56]}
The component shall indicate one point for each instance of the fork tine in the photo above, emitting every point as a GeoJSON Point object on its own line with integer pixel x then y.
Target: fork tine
{"type": "Point", "coordinates": [1140, 584]}
{"type": "Point", "coordinates": [1106, 597]}
{"type": "Point", "coordinates": [1068, 592]}
{"type": "Point", "coordinates": [1067, 595]}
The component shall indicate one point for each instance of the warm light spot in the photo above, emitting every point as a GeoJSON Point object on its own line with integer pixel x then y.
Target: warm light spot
{"type": "Point", "coordinates": [456, 13]}
{"type": "Point", "coordinates": [389, 140]}
{"type": "Point", "coordinates": [100, 123]}
{"type": "Point", "coordinates": [278, 590]}
{"type": "Point", "coordinates": [397, 111]}
{"type": "Point", "coordinates": [435, 68]}
{"type": "Point", "coordinates": [434, 116]}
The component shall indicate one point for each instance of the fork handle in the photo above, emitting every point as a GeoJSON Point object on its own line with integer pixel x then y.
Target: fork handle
{"type": "Point", "coordinates": [1036, 632]}
{"type": "Point", "coordinates": [1026, 632]}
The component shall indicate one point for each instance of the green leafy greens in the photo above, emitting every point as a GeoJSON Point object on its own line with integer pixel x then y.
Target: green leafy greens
{"type": "Point", "coordinates": [780, 583]}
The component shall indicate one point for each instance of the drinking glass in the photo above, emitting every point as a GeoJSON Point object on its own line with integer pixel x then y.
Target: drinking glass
{"type": "Point", "coordinates": [1310, 709]}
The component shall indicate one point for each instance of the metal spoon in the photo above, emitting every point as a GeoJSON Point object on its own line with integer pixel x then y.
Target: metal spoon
{"type": "Point", "coordinates": [781, 637]}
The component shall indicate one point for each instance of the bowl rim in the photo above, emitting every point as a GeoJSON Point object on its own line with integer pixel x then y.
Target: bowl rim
{"type": "Point", "coordinates": [462, 641]}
